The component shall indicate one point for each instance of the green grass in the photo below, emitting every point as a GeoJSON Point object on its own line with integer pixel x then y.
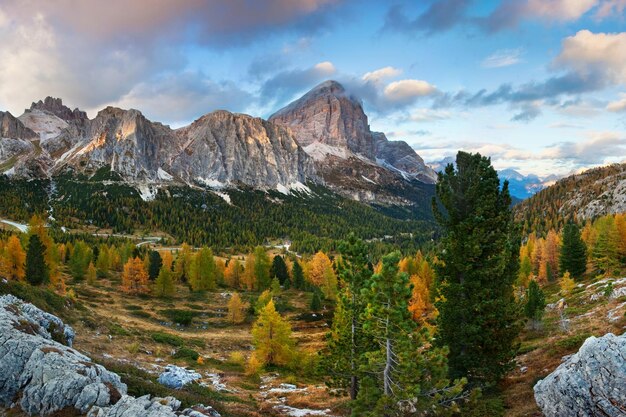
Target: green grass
{"type": "Point", "coordinates": [182, 317]}
{"type": "Point", "coordinates": [187, 354]}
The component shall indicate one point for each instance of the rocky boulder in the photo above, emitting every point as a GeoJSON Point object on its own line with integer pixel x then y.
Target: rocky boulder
{"type": "Point", "coordinates": [591, 382]}
{"type": "Point", "coordinates": [39, 371]}
{"type": "Point", "coordinates": [177, 377]}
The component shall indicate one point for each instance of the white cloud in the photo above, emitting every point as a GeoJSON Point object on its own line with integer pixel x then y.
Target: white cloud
{"type": "Point", "coordinates": [381, 74]}
{"type": "Point", "coordinates": [406, 91]}
{"type": "Point", "coordinates": [559, 10]}
{"type": "Point", "coordinates": [618, 105]}
{"type": "Point", "coordinates": [429, 115]}
{"type": "Point", "coordinates": [595, 54]}
{"type": "Point", "coordinates": [503, 58]}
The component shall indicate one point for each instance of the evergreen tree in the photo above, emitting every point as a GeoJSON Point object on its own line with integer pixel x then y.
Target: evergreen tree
{"type": "Point", "coordinates": [478, 316]}
{"type": "Point", "coordinates": [535, 303]}
{"type": "Point", "coordinates": [298, 276]}
{"type": "Point", "coordinates": [271, 335]}
{"type": "Point", "coordinates": [164, 284]}
{"type": "Point", "coordinates": [182, 266]}
{"type": "Point", "coordinates": [279, 270]}
{"type": "Point", "coordinates": [573, 257]}
{"type": "Point", "coordinates": [400, 372]}
{"type": "Point", "coordinates": [346, 341]}
{"type": "Point", "coordinates": [37, 271]}
{"type": "Point", "coordinates": [262, 268]}
{"type": "Point", "coordinates": [154, 265]}
{"type": "Point", "coordinates": [316, 303]}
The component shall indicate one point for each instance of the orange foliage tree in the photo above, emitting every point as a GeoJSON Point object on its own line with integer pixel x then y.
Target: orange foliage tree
{"type": "Point", "coordinates": [135, 277]}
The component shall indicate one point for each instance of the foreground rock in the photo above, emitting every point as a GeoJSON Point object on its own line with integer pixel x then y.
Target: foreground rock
{"type": "Point", "coordinates": [177, 377]}
{"type": "Point", "coordinates": [591, 382]}
{"type": "Point", "coordinates": [40, 374]}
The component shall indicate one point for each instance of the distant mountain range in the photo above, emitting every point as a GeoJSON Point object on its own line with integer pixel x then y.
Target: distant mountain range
{"type": "Point", "coordinates": [521, 186]}
{"type": "Point", "coordinates": [323, 137]}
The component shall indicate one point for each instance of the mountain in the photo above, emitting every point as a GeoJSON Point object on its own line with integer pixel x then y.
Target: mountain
{"type": "Point", "coordinates": [520, 186]}
{"type": "Point", "coordinates": [330, 122]}
{"type": "Point", "coordinates": [587, 195]}
{"type": "Point", "coordinates": [324, 138]}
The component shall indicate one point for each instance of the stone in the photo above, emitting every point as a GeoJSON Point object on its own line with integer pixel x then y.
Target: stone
{"type": "Point", "coordinates": [43, 375]}
{"type": "Point", "coordinates": [176, 377]}
{"type": "Point", "coordinates": [592, 382]}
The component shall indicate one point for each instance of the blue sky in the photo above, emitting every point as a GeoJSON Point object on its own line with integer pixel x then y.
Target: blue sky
{"type": "Point", "coordinates": [537, 84]}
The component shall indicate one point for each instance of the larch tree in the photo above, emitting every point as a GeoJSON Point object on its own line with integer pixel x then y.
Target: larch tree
{"type": "Point", "coordinates": [103, 262]}
{"type": "Point", "coordinates": [182, 266]}
{"type": "Point", "coordinates": [92, 273]}
{"type": "Point", "coordinates": [321, 274]}
{"type": "Point", "coordinates": [271, 335]}
{"type": "Point", "coordinates": [15, 258]}
{"type": "Point", "coordinates": [573, 258]}
{"type": "Point", "coordinates": [164, 284]}
{"type": "Point", "coordinates": [37, 271]}
{"type": "Point", "coordinates": [135, 277]}
{"type": "Point", "coordinates": [550, 254]}
{"type": "Point", "coordinates": [248, 278]}
{"type": "Point", "coordinates": [605, 254]}
{"type": "Point", "coordinates": [567, 284]}
{"type": "Point", "coordinates": [236, 309]}
{"type": "Point", "coordinates": [478, 317]}
{"type": "Point", "coordinates": [203, 273]}
{"type": "Point", "coordinates": [232, 274]}
{"type": "Point", "coordinates": [167, 260]}
{"type": "Point", "coordinates": [262, 268]}
{"type": "Point", "coordinates": [79, 260]}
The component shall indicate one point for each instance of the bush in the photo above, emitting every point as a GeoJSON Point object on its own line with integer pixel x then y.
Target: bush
{"type": "Point", "coordinates": [167, 339]}
{"type": "Point", "coordinates": [572, 343]}
{"type": "Point", "coordinates": [182, 317]}
{"type": "Point", "coordinates": [186, 354]}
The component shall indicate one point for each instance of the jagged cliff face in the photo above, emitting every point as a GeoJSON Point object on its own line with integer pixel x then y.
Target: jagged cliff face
{"type": "Point", "coordinates": [223, 147]}
{"type": "Point", "coordinates": [330, 123]}
{"type": "Point", "coordinates": [328, 115]}
{"type": "Point", "coordinates": [219, 149]}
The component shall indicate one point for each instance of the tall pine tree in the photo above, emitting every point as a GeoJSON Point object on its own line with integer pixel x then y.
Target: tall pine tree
{"type": "Point", "coordinates": [279, 270]}
{"type": "Point", "coordinates": [573, 252]}
{"type": "Point", "coordinates": [36, 268]}
{"type": "Point", "coordinates": [478, 315]}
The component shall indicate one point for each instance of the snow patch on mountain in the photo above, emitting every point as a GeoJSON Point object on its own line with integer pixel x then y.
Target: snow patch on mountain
{"type": "Point", "coordinates": [320, 151]}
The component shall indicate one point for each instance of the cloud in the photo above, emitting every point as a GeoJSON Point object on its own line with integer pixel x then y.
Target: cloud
{"type": "Point", "coordinates": [610, 8]}
{"type": "Point", "coordinates": [428, 115]}
{"type": "Point", "coordinates": [503, 58]}
{"type": "Point", "coordinates": [407, 91]}
{"type": "Point", "coordinates": [285, 84]}
{"type": "Point", "coordinates": [595, 150]}
{"type": "Point", "coordinates": [183, 97]}
{"type": "Point", "coordinates": [381, 74]}
{"type": "Point", "coordinates": [618, 105]}
{"type": "Point", "coordinates": [529, 112]}
{"type": "Point", "coordinates": [214, 22]}
{"type": "Point", "coordinates": [440, 16]}
{"type": "Point", "coordinates": [594, 55]}
{"type": "Point", "coordinates": [93, 53]}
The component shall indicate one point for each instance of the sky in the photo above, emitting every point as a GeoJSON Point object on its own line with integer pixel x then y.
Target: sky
{"type": "Point", "coordinates": [538, 85]}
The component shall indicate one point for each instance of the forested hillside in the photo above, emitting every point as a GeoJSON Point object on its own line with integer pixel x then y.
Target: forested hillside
{"type": "Point", "coordinates": [578, 197]}
{"type": "Point", "coordinates": [230, 218]}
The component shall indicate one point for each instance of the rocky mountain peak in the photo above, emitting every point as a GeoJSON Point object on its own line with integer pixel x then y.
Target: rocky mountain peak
{"type": "Point", "coordinates": [11, 127]}
{"type": "Point", "coordinates": [329, 121]}
{"type": "Point", "coordinates": [56, 107]}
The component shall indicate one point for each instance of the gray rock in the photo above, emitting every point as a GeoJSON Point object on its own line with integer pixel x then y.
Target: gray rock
{"type": "Point", "coordinates": [591, 382]}
{"type": "Point", "coordinates": [147, 407]}
{"type": "Point", "coordinates": [42, 375]}
{"type": "Point", "coordinates": [177, 377]}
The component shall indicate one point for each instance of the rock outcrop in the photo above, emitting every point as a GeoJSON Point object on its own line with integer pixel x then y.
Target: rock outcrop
{"type": "Point", "coordinates": [176, 377]}
{"type": "Point", "coordinates": [589, 383]}
{"type": "Point", "coordinates": [40, 372]}
{"type": "Point", "coordinates": [328, 121]}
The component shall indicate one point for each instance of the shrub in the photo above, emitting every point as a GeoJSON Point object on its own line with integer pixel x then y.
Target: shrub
{"type": "Point", "coordinates": [167, 339]}
{"type": "Point", "coordinates": [182, 317]}
{"type": "Point", "coordinates": [186, 354]}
